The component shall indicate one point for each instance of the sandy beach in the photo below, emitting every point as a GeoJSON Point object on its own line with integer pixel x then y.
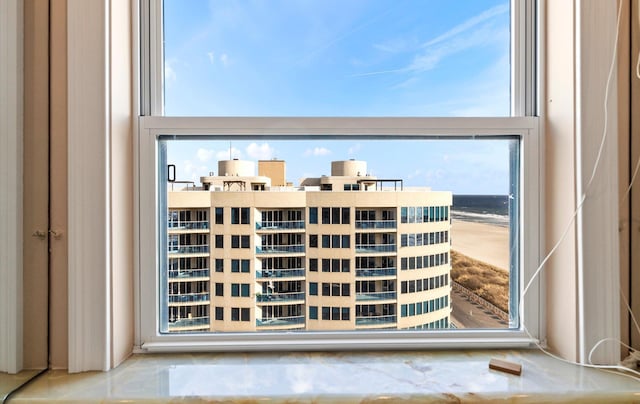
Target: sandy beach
{"type": "Point", "coordinates": [484, 242]}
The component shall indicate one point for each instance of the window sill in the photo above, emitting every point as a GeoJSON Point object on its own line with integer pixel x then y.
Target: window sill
{"type": "Point", "coordinates": [440, 376]}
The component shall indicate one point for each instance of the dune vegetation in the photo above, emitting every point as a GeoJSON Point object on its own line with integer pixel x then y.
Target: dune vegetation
{"type": "Point", "coordinates": [488, 282]}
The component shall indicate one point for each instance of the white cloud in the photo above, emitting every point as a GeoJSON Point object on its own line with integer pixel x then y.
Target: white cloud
{"type": "Point", "coordinates": [224, 58]}
{"type": "Point", "coordinates": [260, 152]}
{"type": "Point", "coordinates": [205, 154]}
{"type": "Point", "coordinates": [211, 56]}
{"type": "Point", "coordinates": [477, 31]}
{"type": "Point", "coordinates": [317, 151]}
{"type": "Point", "coordinates": [470, 23]}
{"type": "Point", "coordinates": [224, 154]}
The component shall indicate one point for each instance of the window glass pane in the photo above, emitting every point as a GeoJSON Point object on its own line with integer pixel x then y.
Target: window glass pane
{"type": "Point", "coordinates": [357, 58]}
{"type": "Point", "coordinates": [396, 263]}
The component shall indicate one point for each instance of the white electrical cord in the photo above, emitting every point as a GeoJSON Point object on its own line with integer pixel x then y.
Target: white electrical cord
{"type": "Point", "coordinates": [635, 355]}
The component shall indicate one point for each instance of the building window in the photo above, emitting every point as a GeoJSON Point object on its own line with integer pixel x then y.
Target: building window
{"type": "Point", "coordinates": [245, 241]}
{"type": "Point", "coordinates": [335, 241]}
{"type": "Point", "coordinates": [346, 241]}
{"type": "Point", "coordinates": [313, 288]}
{"type": "Point", "coordinates": [346, 215]}
{"type": "Point", "coordinates": [235, 241]}
{"type": "Point", "coordinates": [235, 265]}
{"type": "Point", "coordinates": [346, 265]}
{"type": "Point", "coordinates": [326, 241]}
{"type": "Point", "coordinates": [219, 313]}
{"type": "Point", "coordinates": [219, 215]}
{"type": "Point", "coordinates": [313, 312]}
{"type": "Point", "coordinates": [219, 289]}
{"type": "Point", "coordinates": [313, 217]}
{"type": "Point", "coordinates": [219, 265]}
{"type": "Point", "coordinates": [313, 264]}
{"type": "Point", "coordinates": [326, 216]}
{"type": "Point", "coordinates": [245, 266]}
{"type": "Point", "coordinates": [219, 241]}
{"type": "Point", "coordinates": [326, 313]}
{"type": "Point", "coordinates": [244, 216]}
{"type": "Point", "coordinates": [313, 240]}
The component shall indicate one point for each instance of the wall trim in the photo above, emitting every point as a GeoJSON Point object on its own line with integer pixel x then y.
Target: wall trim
{"type": "Point", "coordinates": [89, 191]}
{"type": "Point", "coordinates": [598, 243]}
{"type": "Point", "coordinates": [11, 151]}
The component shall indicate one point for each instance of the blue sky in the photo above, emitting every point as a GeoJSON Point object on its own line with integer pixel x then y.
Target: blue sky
{"type": "Point", "coordinates": [343, 58]}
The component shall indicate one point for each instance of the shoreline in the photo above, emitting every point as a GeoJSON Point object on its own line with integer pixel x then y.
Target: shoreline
{"type": "Point", "coordinates": [484, 242]}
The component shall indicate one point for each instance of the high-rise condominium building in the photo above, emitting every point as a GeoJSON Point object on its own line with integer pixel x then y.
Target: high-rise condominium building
{"type": "Point", "coordinates": [343, 252]}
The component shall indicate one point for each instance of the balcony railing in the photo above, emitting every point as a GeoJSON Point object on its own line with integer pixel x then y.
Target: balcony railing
{"type": "Point", "coordinates": [376, 224]}
{"type": "Point", "coordinates": [190, 322]}
{"type": "Point", "coordinates": [190, 298]}
{"type": "Point", "coordinates": [188, 249]}
{"type": "Point", "coordinates": [280, 249]}
{"type": "Point", "coordinates": [371, 272]}
{"type": "Point", "coordinates": [267, 322]}
{"type": "Point", "coordinates": [375, 320]}
{"type": "Point", "coordinates": [194, 225]}
{"type": "Point", "coordinates": [280, 225]}
{"type": "Point", "coordinates": [189, 273]}
{"type": "Point", "coordinates": [373, 248]}
{"type": "Point", "coordinates": [280, 273]}
{"type": "Point", "coordinates": [279, 297]}
{"type": "Point", "coordinates": [375, 296]}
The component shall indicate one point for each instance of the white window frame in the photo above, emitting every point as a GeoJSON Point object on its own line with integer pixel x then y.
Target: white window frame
{"type": "Point", "coordinates": [522, 123]}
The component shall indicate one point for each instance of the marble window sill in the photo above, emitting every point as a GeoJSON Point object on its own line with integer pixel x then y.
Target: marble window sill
{"type": "Point", "coordinates": [335, 377]}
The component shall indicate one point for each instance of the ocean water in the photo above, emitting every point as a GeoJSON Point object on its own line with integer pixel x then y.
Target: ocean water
{"type": "Point", "coordinates": [489, 209]}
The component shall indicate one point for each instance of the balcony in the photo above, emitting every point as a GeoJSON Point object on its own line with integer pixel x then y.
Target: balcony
{"type": "Point", "coordinates": [280, 321]}
{"type": "Point", "coordinates": [189, 298]}
{"type": "Point", "coordinates": [199, 322]}
{"type": "Point", "coordinates": [189, 273]}
{"type": "Point", "coordinates": [376, 224]}
{"type": "Point", "coordinates": [373, 296]}
{"type": "Point", "coordinates": [188, 249]}
{"type": "Point", "coordinates": [195, 225]}
{"type": "Point", "coordinates": [280, 225]}
{"type": "Point", "coordinates": [280, 249]}
{"type": "Point", "coordinates": [376, 320]}
{"type": "Point", "coordinates": [279, 297]}
{"type": "Point", "coordinates": [280, 273]}
{"type": "Point", "coordinates": [375, 248]}
{"type": "Point", "coordinates": [375, 272]}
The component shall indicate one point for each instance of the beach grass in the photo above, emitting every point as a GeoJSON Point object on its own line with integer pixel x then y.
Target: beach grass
{"type": "Point", "coordinates": [487, 281]}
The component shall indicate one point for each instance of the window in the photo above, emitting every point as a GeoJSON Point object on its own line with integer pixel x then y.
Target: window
{"type": "Point", "coordinates": [219, 241]}
{"type": "Point", "coordinates": [245, 266]}
{"type": "Point", "coordinates": [219, 265]}
{"type": "Point", "coordinates": [326, 241]}
{"type": "Point", "coordinates": [219, 289]}
{"type": "Point", "coordinates": [509, 128]}
{"type": "Point", "coordinates": [313, 312]}
{"type": "Point", "coordinates": [313, 288]}
{"type": "Point", "coordinates": [313, 217]}
{"type": "Point", "coordinates": [245, 241]}
{"type": "Point", "coordinates": [313, 241]}
{"type": "Point", "coordinates": [219, 313]}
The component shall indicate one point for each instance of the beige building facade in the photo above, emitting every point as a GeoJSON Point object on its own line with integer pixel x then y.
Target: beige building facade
{"type": "Point", "coordinates": [342, 252]}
